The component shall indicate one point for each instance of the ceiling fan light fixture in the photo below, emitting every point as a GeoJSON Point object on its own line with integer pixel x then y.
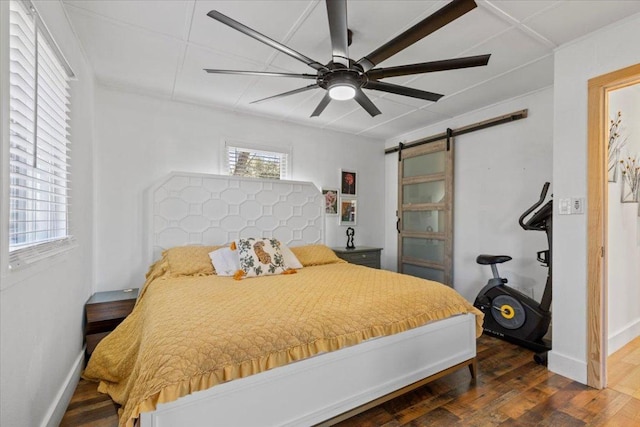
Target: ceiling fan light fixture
{"type": "Point", "coordinates": [342, 91]}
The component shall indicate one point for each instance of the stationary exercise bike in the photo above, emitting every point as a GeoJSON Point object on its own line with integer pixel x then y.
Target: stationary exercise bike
{"type": "Point", "coordinates": [510, 314]}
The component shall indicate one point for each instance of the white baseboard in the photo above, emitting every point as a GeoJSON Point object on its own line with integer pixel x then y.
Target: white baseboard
{"type": "Point", "coordinates": [622, 337]}
{"type": "Point", "coordinates": [568, 366]}
{"type": "Point", "coordinates": [63, 397]}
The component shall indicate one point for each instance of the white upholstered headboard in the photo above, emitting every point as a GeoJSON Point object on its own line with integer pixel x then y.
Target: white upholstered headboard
{"type": "Point", "coordinates": [190, 208]}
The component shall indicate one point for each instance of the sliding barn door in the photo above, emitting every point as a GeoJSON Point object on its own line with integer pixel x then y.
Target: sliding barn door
{"type": "Point", "coordinates": [425, 211]}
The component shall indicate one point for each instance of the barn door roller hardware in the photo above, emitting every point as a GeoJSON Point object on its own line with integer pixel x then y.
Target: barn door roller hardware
{"type": "Point", "coordinates": [450, 133]}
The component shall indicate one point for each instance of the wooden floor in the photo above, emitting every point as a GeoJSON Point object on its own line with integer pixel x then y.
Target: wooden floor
{"type": "Point", "coordinates": [511, 390]}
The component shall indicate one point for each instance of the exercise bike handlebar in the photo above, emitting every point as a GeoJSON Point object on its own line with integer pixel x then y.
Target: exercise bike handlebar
{"type": "Point", "coordinates": [543, 195]}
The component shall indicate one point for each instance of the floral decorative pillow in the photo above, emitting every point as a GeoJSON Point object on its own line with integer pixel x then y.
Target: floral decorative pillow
{"type": "Point", "coordinates": [260, 257]}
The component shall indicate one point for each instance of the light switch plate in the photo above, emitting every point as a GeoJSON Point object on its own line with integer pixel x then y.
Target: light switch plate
{"type": "Point", "coordinates": [564, 206]}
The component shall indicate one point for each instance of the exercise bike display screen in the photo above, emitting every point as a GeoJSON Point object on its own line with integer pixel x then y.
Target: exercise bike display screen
{"type": "Point", "coordinates": [508, 312]}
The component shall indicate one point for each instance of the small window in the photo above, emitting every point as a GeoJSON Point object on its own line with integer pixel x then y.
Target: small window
{"type": "Point", "coordinates": [257, 162]}
{"type": "Point", "coordinates": [39, 104]}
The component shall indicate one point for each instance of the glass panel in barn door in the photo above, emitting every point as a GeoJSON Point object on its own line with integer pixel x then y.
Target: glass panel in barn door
{"type": "Point", "coordinates": [425, 195]}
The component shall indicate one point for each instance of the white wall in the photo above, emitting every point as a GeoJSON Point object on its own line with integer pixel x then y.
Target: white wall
{"type": "Point", "coordinates": [41, 307]}
{"type": "Point", "coordinates": [140, 139]}
{"type": "Point", "coordinates": [499, 173]}
{"type": "Point", "coordinates": [624, 231]}
{"type": "Point", "coordinates": [604, 51]}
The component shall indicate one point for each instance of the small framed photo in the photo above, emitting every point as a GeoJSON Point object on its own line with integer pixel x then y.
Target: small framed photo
{"type": "Point", "coordinates": [330, 201]}
{"type": "Point", "coordinates": [348, 182]}
{"type": "Point", "coordinates": [348, 211]}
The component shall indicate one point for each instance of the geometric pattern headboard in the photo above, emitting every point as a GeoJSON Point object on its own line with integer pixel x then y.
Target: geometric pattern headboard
{"type": "Point", "coordinates": [189, 208]}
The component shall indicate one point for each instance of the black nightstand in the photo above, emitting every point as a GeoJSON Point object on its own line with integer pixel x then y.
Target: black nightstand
{"type": "Point", "coordinates": [361, 255]}
{"type": "Point", "coordinates": [105, 311]}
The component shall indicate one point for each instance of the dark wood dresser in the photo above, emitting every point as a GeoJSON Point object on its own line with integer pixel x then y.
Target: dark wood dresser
{"type": "Point", "coordinates": [361, 255]}
{"type": "Point", "coordinates": [104, 311]}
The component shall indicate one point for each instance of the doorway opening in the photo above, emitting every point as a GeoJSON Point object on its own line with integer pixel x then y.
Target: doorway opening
{"type": "Point", "coordinates": [599, 89]}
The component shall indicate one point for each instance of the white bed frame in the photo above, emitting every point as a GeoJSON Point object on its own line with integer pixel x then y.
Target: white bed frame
{"type": "Point", "coordinates": [188, 208]}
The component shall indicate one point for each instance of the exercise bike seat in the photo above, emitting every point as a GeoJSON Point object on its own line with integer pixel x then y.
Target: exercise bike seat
{"type": "Point", "coordinates": [492, 259]}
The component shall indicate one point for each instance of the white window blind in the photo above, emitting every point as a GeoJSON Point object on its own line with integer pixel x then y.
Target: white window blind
{"type": "Point", "coordinates": [257, 163]}
{"type": "Point", "coordinates": [38, 142]}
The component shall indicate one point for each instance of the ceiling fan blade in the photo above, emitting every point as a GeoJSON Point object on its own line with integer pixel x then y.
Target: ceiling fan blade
{"type": "Point", "coordinates": [402, 90]}
{"type": "Point", "coordinates": [322, 105]}
{"type": "Point", "coordinates": [337, 13]}
{"type": "Point", "coordinates": [366, 103]}
{"type": "Point", "coordinates": [264, 39]}
{"type": "Point", "coordinates": [429, 67]}
{"type": "Point", "coordinates": [291, 92]}
{"type": "Point", "coordinates": [437, 20]}
{"type": "Point", "coordinates": [261, 73]}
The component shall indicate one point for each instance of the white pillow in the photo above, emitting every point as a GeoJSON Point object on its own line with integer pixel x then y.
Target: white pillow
{"type": "Point", "coordinates": [290, 259]}
{"type": "Point", "coordinates": [225, 261]}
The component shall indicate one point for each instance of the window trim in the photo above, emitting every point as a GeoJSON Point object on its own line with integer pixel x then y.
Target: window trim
{"type": "Point", "coordinates": [224, 160]}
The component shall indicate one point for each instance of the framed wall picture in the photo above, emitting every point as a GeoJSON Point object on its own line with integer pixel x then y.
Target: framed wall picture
{"type": "Point", "coordinates": [348, 211]}
{"type": "Point", "coordinates": [348, 182]}
{"type": "Point", "coordinates": [330, 201]}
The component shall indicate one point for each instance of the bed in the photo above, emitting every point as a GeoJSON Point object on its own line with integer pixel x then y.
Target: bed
{"type": "Point", "coordinates": [201, 349]}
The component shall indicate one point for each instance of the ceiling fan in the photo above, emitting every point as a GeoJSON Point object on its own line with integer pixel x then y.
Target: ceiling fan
{"type": "Point", "coordinates": [344, 78]}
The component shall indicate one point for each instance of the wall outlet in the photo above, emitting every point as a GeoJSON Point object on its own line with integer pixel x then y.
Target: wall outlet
{"type": "Point", "coordinates": [564, 206]}
{"type": "Point", "coordinates": [577, 205]}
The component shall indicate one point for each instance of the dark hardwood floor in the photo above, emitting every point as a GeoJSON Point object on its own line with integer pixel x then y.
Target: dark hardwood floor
{"type": "Point", "coordinates": [511, 390]}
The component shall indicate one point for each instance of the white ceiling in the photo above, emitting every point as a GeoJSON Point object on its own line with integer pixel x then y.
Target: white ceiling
{"type": "Point", "coordinates": [160, 47]}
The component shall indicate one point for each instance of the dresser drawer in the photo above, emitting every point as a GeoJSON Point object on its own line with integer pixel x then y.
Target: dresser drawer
{"type": "Point", "coordinates": [362, 257]}
{"type": "Point", "coordinates": [109, 310]}
{"type": "Point", "coordinates": [368, 257]}
{"type": "Point", "coordinates": [104, 312]}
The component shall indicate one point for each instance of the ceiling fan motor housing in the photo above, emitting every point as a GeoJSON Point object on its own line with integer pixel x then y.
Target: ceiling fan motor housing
{"type": "Point", "coordinates": [340, 77]}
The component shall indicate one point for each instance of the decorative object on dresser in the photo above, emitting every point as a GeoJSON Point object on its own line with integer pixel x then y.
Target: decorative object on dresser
{"type": "Point", "coordinates": [104, 311]}
{"type": "Point", "coordinates": [363, 255]}
{"type": "Point", "coordinates": [350, 233]}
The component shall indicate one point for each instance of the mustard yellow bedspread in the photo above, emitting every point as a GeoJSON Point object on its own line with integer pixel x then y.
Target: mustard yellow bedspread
{"type": "Point", "coordinates": [190, 333]}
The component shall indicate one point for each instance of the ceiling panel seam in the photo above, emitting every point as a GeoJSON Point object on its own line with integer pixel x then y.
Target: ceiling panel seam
{"type": "Point", "coordinates": [268, 63]}
{"type": "Point", "coordinates": [188, 24]}
{"type": "Point", "coordinates": [520, 25]}
{"type": "Point", "coordinates": [466, 51]}
{"type": "Point", "coordinates": [121, 24]}
{"type": "Point", "coordinates": [83, 50]}
{"type": "Point", "coordinates": [495, 77]}
{"type": "Point", "coordinates": [399, 116]}
{"type": "Point", "coordinates": [169, 37]}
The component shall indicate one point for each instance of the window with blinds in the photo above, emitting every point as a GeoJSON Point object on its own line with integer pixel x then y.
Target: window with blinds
{"type": "Point", "coordinates": [257, 163]}
{"type": "Point", "coordinates": [38, 140]}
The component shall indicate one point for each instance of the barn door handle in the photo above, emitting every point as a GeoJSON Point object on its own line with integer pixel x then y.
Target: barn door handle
{"type": "Point", "coordinates": [398, 225]}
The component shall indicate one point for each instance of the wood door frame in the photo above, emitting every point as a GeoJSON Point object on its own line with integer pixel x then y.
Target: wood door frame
{"type": "Point", "coordinates": [597, 211]}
